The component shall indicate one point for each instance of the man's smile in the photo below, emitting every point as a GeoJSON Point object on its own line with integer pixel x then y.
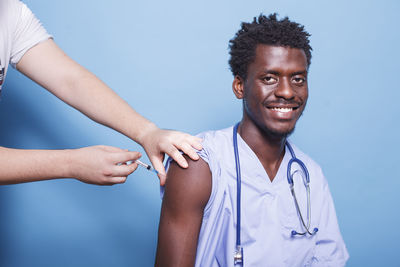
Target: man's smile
{"type": "Point", "coordinates": [280, 110]}
{"type": "Point", "coordinates": [283, 110]}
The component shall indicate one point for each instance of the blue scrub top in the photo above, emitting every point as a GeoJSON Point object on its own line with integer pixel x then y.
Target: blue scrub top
{"type": "Point", "coordinates": [268, 212]}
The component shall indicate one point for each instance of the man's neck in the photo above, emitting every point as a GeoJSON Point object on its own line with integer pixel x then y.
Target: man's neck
{"type": "Point", "coordinates": [269, 149]}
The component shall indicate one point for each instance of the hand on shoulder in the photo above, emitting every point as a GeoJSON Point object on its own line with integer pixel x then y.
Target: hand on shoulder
{"type": "Point", "coordinates": [158, 141]}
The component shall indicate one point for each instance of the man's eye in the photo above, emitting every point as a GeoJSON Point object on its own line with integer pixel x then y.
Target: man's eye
{"type": "Point", "coordinates": [298, 80]}
{"type": "Point", "coordinates": [269, 79]}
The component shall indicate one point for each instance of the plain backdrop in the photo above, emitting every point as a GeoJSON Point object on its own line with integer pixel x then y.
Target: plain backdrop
{"type": "Point", "coordinates": [168, 59]}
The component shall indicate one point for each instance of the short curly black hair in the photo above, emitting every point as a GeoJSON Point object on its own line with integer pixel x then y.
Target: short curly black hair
{"type": "Point", "coordinates": [265, 30]}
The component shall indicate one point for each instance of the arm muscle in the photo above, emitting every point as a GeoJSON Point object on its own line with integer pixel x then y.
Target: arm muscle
{"type": "Point", "coordinates": [186, 194]}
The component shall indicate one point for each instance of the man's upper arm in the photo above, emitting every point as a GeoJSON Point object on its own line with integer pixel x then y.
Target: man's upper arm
{"type": "Point", "coordinates": [186, 194]}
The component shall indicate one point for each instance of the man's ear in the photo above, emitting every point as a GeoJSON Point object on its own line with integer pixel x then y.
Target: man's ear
{"type": "Point", "coordinates": [238, 87]}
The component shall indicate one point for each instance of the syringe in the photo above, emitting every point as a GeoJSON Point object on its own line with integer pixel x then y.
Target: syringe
{"type": "Point", "coordinates": [147, 166]}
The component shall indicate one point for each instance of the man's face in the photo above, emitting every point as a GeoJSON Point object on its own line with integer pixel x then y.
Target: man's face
{"type": "Point", "coordinates": [275, 91]}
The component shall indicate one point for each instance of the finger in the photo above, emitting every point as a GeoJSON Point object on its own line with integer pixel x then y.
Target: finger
{"type": "Point", "coordinates": [177, 156]}
{"type": "Point", "coordinates": [159, 166]}
{"type": "Point", "coordinates": [195, 142]}
{"type": "Point", "coordinates": [126, 156]}
{"type": "Point", "coordinates": [188, 150]}
{"type": "Point", "coordinates": [117, 180]}
{"type": "Point", "coordinates": [112, 149]}
{"type": "Point", "coordinates": [124, 170]}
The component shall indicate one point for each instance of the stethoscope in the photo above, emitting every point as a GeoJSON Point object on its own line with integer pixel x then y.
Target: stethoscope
{"type": "Point", "coordinates": [238, 256]}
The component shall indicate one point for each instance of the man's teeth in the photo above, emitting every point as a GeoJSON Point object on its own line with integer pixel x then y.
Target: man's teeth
{"type": "Point", "coordinates": [284, 110]}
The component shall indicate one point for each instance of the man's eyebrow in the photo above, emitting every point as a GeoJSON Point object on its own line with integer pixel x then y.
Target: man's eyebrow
{"type": "Point", "coordinates": [274, 72]}
{"type": "Point", "coordinates": [302, 72]}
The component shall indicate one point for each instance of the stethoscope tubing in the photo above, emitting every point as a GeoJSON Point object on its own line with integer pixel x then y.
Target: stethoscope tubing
{"type": "Point", "coordinates": [238, 257]}
{"type": "Point", "coordinates": [238, 183]}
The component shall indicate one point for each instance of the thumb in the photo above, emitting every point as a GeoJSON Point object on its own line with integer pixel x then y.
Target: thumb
{"type": "Point", "coordinates": [159, 166]}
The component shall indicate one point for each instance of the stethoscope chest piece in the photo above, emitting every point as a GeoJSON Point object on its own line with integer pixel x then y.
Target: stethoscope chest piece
{"type": "Point", "coordinates": [238, 256]}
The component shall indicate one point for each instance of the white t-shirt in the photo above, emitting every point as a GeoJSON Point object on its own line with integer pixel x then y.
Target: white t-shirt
{"type": "Point", "coordinates": [19, 31]}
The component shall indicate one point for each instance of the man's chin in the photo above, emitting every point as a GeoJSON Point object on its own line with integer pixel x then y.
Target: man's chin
{"type": "Point", "coordinates": [279, 134]}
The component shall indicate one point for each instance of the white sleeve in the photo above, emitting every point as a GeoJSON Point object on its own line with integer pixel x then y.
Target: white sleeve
{"type": "Point", "coordinates": [330, 248]}
{"type": "Point", "coordinates": [27, 33]}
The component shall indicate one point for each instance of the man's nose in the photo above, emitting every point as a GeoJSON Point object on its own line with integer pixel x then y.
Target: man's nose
{"type": "Point", "coordinates": [284, 89]}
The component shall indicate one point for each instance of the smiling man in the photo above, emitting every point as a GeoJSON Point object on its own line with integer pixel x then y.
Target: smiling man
{"type": "Point", "coordinates": [235, 205]}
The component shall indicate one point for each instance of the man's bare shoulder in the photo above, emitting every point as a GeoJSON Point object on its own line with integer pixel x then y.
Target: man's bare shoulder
{"type": "Point", "coordinates": [186, 193]}
{"type": "Point", "coordinates": [191, 186]}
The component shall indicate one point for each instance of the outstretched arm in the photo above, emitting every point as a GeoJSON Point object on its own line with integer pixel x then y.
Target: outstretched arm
{"type": "Point", "coordinates": [99, 165]}
{"type": "Point", "coordinates": [50, 67]}
{"type": "Point", "coordinates": [186, 194]}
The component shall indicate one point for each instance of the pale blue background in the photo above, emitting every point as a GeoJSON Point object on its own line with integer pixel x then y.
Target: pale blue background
{"type": "Point", "coordinates": [168, 59]}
